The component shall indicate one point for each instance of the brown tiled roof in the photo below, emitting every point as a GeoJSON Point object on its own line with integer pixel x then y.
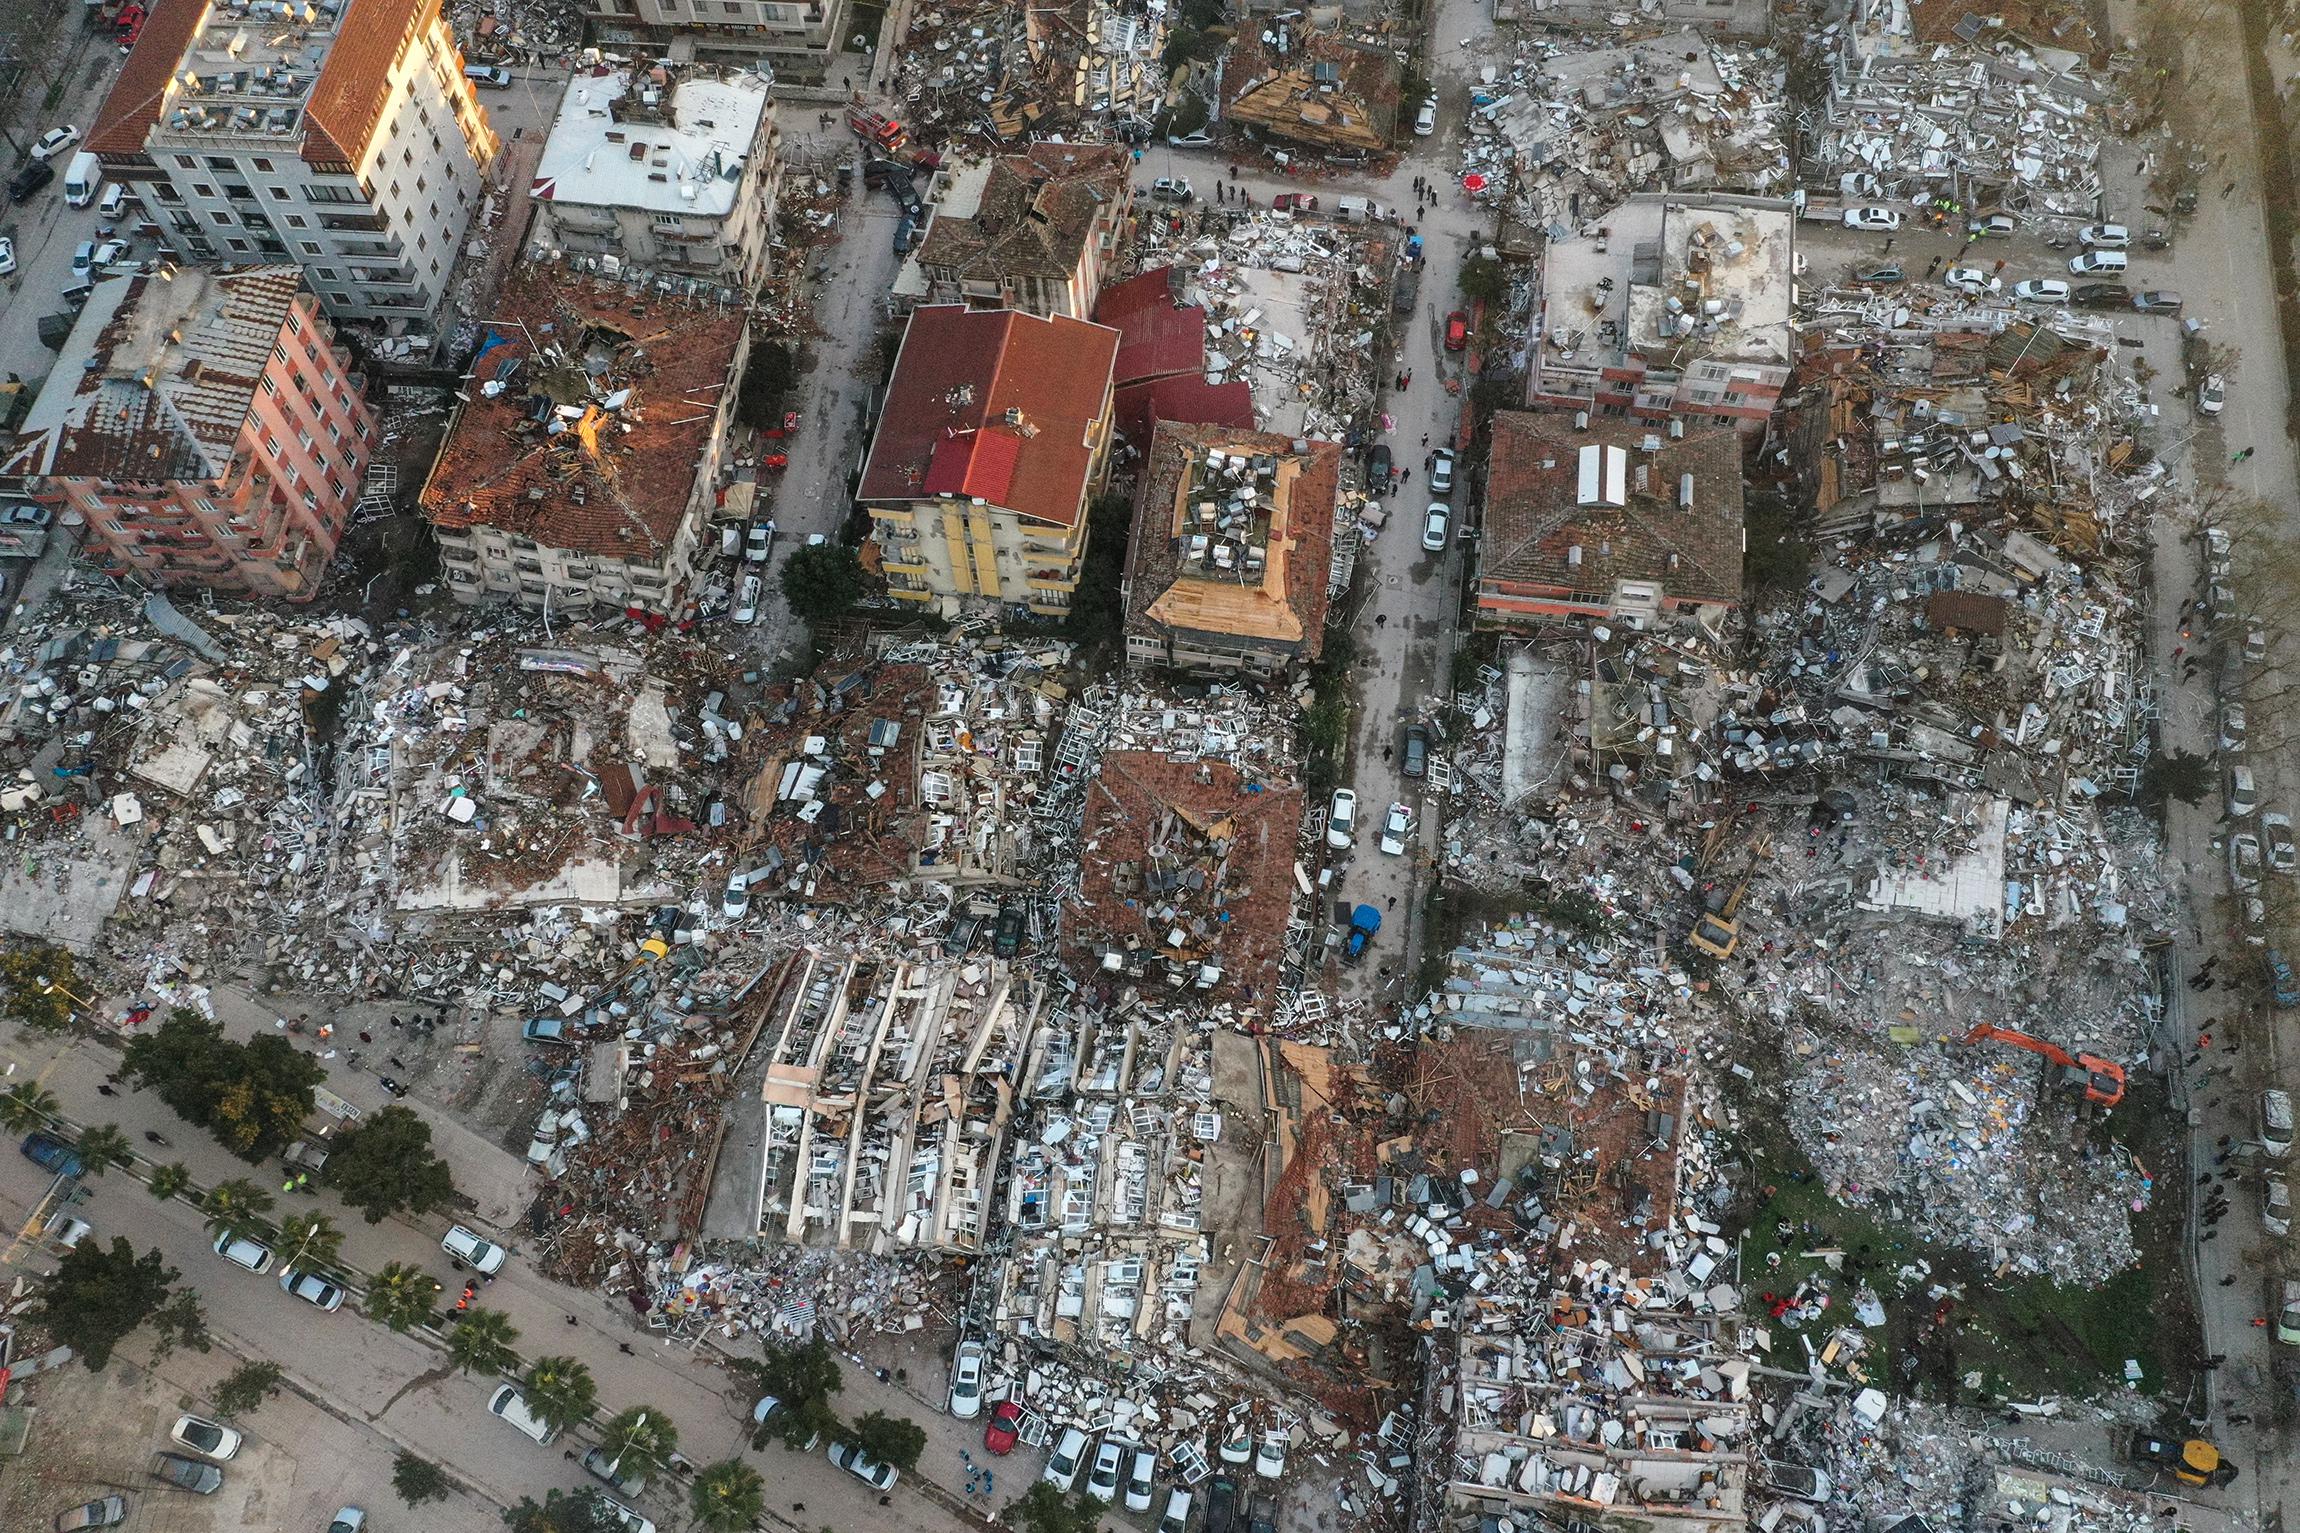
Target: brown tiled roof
{"type": "Point", "coordinates": [1036, 214]}
{"type": "Point", "coordinates": [1534, 521]}
{"type": "Point", "coordinates": [966, 371]}
{"type": "Point", "coordinates": [594, 486]}
{"type": "Point", "coordinates": [1971, 611]}
{"type": "Point", "coordinates": [1325, 91]}
{"type": "Point", "coordinates": [133, 104]}
{"type": "Point", "coordinates": [354, 84]}
{"type": "Point", "coordinates": [1290, 613]}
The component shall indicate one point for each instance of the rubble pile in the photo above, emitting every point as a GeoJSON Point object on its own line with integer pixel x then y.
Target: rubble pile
{"type": "Point", "coordinates": [980, 76]}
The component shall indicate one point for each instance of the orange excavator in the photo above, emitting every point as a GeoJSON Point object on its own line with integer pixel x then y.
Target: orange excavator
{"type": "Point", "coordinates": [2101, 1080]}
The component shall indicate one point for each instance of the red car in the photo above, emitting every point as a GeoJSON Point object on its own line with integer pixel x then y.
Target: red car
{"type": "Point", "coordinates": [1294, 202]}
{"type": "Point", "coordinates": [1456, 330]}
{"type": "Point", "coordinates": [1003, 1429]}
{"type": "Point", "coordinates": [776, 460]}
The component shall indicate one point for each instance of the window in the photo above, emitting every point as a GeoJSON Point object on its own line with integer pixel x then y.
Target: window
{"type": "Point", "coordinates": [422, 241]}
{"type": "Point", "coordinates": [202, 189]}
{"type": "Point", "coordinates": [271, 444]}
{"type": "Point", "coordinates": [279, 193]}
{"type": "Point", "coordinates": [186, 162]}
{"type": "Point", "coordinates": [262, 167]}
{"type": "Point", "coordinates": [337, 486]}
{"type": "Point", "coordinates": [294, 323]}
{"type": "Point", "coordinates": [222, 162]}
{"type": "Point", "coordinates": [421, 186]}
{"type": "Point", "coordinates": [294, 220]}
{"type": "Point", "coordinates": [395, 191]}
{"type": "Point", "coordinates": [668, 220]}
{"type": "Point", "coordinates": [206, 505]}
{"type": "Point", "coordinates": [311, 247]}
{"type": "Point", "coordinates": [218, 215]}
{"type": "Point", "coordinates": [303, 437]}
{"type": "Point", "coordinates": [407, 157]}
{"type": "Point", "coordinates": [326, 273]}
{"type": "Point", "coordinates": [267, 385]}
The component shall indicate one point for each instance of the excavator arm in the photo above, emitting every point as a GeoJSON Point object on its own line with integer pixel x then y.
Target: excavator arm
{"type": "Point", "coordinates": [2101, 1080]}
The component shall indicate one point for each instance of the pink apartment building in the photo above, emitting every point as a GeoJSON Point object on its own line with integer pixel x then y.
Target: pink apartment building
{"type": "Point", "coordinates": [206, 429]}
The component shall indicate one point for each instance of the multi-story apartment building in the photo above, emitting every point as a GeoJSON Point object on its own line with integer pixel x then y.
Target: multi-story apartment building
{"type": "Point", "coordinates": [1669, 307]}
{"type": "Point", "coordinates": [582, 468]}
{"type": "Point", "coordinates": [1026, 231]}
{"type": "Point", "coordinates": [208, 430]}
{"type": "Point", "coordinates": [799, 36]}
{"type": "Point", "coordinates": [343, 138]}
{"type": "Point", "coordinates": [671, 168]}
{"type": "Point", "coordinates": [994, 436]}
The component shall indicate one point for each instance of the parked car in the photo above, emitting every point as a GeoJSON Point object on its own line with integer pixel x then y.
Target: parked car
{"type": "Point", "coordinates": [1397, 830]}
{"type": "Point", "coordinates": [629, 1520]}
{"type": "Point", "coordinates": [1004, 1428]}
{"type": "Point", "coordinates": [966, 1380]}
{"type": "Point", "coordinates": [1415, 761]}
{"type": "Point", "coordinates": [1872, 218]}
{"type": "Point", "coordinates": [83, 259]}
{"type": "Point", "coordinates": [1176, 1517]}
{"type": "Point", "coordinates": [1221, 1504]}
{"type": "Point", "coordinates": [2211, 395]}
{"type": "Point", "coordinates": [51, 1152]}
{"type": "Point", "coordinates": [1270, 1457]}
{"type": "Point", "coordinates": [1799, 1480]}
{"type": "Point", "coordinates": [1437, 527]}
{"type": "Point", "coordinates": [1102, 1480]}
{"type": "Point", "coordinates": [511, 1405]}
{"type": "Point", "coordinates": [480, 1256]}
{"type": "Point", "coordinates": [488, 76]}
{"type": "Point", "coordinates": [2105, 236]}
{"type": "Point", "coordinates": [110, 1512]}
{"type": "Point", "coordinates": [2101, 295]}
{"type": "Point", "coordinates": [545, 1030]}
{"type": "Point", "coordinates": [2157, 301]}
{"type": "Point", "coordinates": [1425, 120]}
{"type": "Point", "coordinates": [601, 1466]}
{"type": "Point", "coordinates": [758, 543]}
{"type": "Point", "coordinates": [109, 252]}
{"type": "Point", "coordinates": [1138, 1480]}
{"type": "Point", "coordinates": [201, 1479]}
{"type": "Point", "coordinates": [2255, 642]}
{"type": "Point", "coordinates": [1342, 819]}
{"type": "Point", "coordinates": [2232, 726]}
{"type": "Point", "coordinates": [2041, 290]}
{"type": "Point", "coordinates": [1457, 330]}
{"type": "Point", "coordinates": [2283, 985]}
{"type": "Point", "coordinates": [1993, 225]}
{"type": "Point", "coordinates": [1063, 1463]}
{"type": "Point", "coordinates": [855, 1462]}
{"type": "Point", "coordinates": [1441, 471]}
{"type": "Point", "coordinates": [54, 142]}
{"type": "Point", "coordinates": [2276, 1206]}
{"type": "Point", "coordinates": [2244, 860]}
{"type": "Point", "coordinates": [2243, 796]}
{"type": "Point", "coordinates": [1971, 279]}
{"type": "Point", "coordinates": [1879, 276]}
{"type": "Point", "coordinates": [2283, 854]}
{"type": "Point", "coordinates": [22, 187]}
{"type": "Point", "coordinates": [1378, 466]}
{"type": "Point", "coordinates": [1294, 202]}
{"type": "Point", "coordinates": [209, 1439]}
{"type": "Point", "coordinates": [1006, 935]}
{"type": "Point", "coordinates": [7, 256]}
{"type": "Point", "coordinates": [312, 1289]}
{"type": "Point", "coordinates": [735, 899]}
{"type": "Point", "coordinates": [113, 203]}
{"type": "Point", "coordinates": [1173, 189]}
{"type": "Point", "coordinates": [747, 599]}
{"type": "Point", "coordinates": [240, 1251]}
{"type": "Point", "coordinates": [348, 1519]}
{"type": "Point", "coordinates": [1238, 1446]}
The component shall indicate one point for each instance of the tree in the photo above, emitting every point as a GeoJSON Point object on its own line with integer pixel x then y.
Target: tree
{"type": "Point", "coordinates": [179, 1323]}
{"type": "Point", "coordinates": [419, 1480]}
{"type": "Point", "coordinates": [246, 1387]}
{"type": "Point", "coordinates": [26, 1105]}
{"type": "Point", "coordinates": [560, 1512]}
{"type": "Point", "coordinates": [483, 1341]}
{"type": "Point", "coordinates": [641, 1438]}
{"type": "Point", "coordinates": [169, 1181]}
{"type": "Point", "coordinates": [560, 1392]}
{"type": "Point", "coordinates": [1777, 559]}
{"type": "Point", "coordinates": [385, 1165]}
{"type": "Point", "coordinates": [103, 1148]}
{"type": "Point", "coordinates": [310, 1241]}
{"type": "Point", "coordinates": [399, 1296]}
{"type": "Point", "coordinates": [1097, 617]}
{"type": "Point", "coordinates": [1044, 1509]}
{"type": "Point", "coordinates": [237, 1208]}
{"type": "Point", "coordinates": [802, 1380]}
{"type": "Point", "coordinates": [100, 1294]}
{"type": "Point", "coordinates": [35, 982]}
{"type": "Point", "coordinates": [253, 1097]}
{"type": "Point", "coordinates": [728, 1496]}
{"type": "Point", "coordinates": [822, 581]}
{"type": "Point", "coordinates": [1484, 281]}
{"type": "Point", "coordinates": [767, 377]}
{"type": "Point", "coordinates": [895, 1440]}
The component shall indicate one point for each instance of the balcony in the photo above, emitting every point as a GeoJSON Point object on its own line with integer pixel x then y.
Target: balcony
{"type": "Point", "coordinates": [383, 276]}
{"type": "Point", "coordinates": [355, 223]}
{"type": "Point", "coordinates": [383, 250]}
{"type": "Point", "coordinates": [902, 590]}
{"type": "Point", "coordinates": [1051, 580]}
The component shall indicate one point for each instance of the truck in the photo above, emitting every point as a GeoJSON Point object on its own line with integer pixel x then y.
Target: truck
{"type": "Point", "coordinates": [82, 178]}
{"type": "Point", "coordinates": [1405, 290]}
{"type": "Point", "coordinates": [1365, 921]}
{"type": "Point", "coordinates": [878, 131]}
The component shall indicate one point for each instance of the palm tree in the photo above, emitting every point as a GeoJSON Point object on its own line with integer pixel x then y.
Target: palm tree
{"type": "Point", "coordinates": [560, 1392]}
{"type": "Point", "coordinates": [729, 1496]}
{"type": "Point", "coordinates": [641, 1438]}
{"type": "Point", "coordinates": [169, 1182]}
{"type": "Point", "coordinates": [26, 1105]}
{"type": "Point", "coordinates": [482, 1341]}
{"type": "Point", "coordinates": [236, 1208]}
{"type": "Point", "coordinates": [399, 1296]}
{"type": "Point", "coordinates": [103, 1148]}
{"type": "Point", "coordinates": [311, 1241]}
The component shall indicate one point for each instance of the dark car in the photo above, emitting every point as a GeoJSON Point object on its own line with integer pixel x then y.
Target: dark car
{"type": "Point", "coordinates": [107, 1513]}
{"type": "Point", "coordinates": [2157, 301]}
{"type": "Point", "coordinates": [30, 179]}
{"type": "Point", "coordinates": [1879, 276]}
{"type": "Point", "coordinates": [1263, 1518]}
{"type": "Point", "coordinates": [187, 1473]}
{"type": "Point", "coordinates": [602, 1465]}
{"type": "Point", "coordinates": [1378, 466]}
{"type": "Point", "coordinates": [51, 1152]}
{"type": "Point", "coordinates": [1221, 1505]}
{"type": "Point", "coordinates": [961, 935]}
{"type": "Point", "coordinates": [1417, 757]}
{"type": "Point", "coordinates": [2101, 295]}
{"type": "Point", "coordinates": [1006, 937]}
{"type": "Point", "coordinates": [2282, 987]}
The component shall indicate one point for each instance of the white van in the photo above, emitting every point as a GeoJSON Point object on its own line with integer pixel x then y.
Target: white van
{"type": "Point", "coordinates": [81, 178]}
{"type": "Point", "coordinates": [511, 1405]}
{"type": "Point", "coordinates": [2276, 1123]}
{"type": "Point", "coordinates": [114, 203]}
{"type": "Point", "coordinates": [2095, 263]}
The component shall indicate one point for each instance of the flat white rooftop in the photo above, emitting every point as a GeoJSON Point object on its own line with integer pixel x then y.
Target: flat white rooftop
{"type": "Point", "coordinates": [658, 140]}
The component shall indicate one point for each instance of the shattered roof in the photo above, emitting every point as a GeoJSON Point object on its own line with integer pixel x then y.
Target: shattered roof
{"type": "Point", "coordinates": [163, 376]}
{"type": "Point", "coordinates": [1326, 91]}
{"type": "Point", "coordinates": [993, 403]}
{"type": "Point", "coordinates": [1284, 607]}
{"type": "Point", "coordinates": [1034, 215]}
{"type": "Point", "coordinates": [1141, 406]}
{"type": "Point", "coordinates": [1535, 518]}
{"type": "Point", "coordinates": [355, 83]}
{"type": "Point", "coordinates": [133, 103]}
{"type": "Point", "coordinates": [589, 415]}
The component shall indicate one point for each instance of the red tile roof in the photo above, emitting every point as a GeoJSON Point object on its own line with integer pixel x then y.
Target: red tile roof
{"type": "Point", "coordinates": [133, 104]}
{"type": "Point", "coordinates": [354, 84]}
{"type": "Point", "coordinates": [1039, 383]}
{"type": "Point", "coordinates": [1158, 337]}
{"type": "Point", "coordinates": [1190, 400]}
{"type": "Point", "coordinates": [981, 463]}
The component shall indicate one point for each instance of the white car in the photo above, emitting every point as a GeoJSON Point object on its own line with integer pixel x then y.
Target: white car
{"type": "Point", "coordinates": [349, 1519]}
{"type": "Point", "coordinates": [1270, 1460]}
{"type": "Point", "coordinates": [7, 256]}
{"type": "Point", "coordinates": [1425, 120]}
{"type": "Point", "coordinates": [2255, 642]}
{"type": "Point", "coordinates": [2232, 726]}
{"type": "Point", "coordinates": [1397, 829]}
{"type": "Point", "coordinates": [757, 545]}
{"type": "Point", "coordinates": [1872, 218]}
{"type": "Point", "coordinates": [1799, 1480]}
{"type": "Point", "coordinates": [2244, 860]}
{"type": "Point", "coordinates": [747, 601]}
{"type": "Point", "coordinates": [1441, 471]}
{"type": "Point", "coordinates": [55, 141]}
{"type": "Point", "coordinates": [1239, 1445]}
{"type": "Point", "coordinates": [1437, 526]}
{"type": "Point", "coordinates": [1062, 1464]}
{"type": "Point", "coordinates": [966, 1380]}
{"type": "Point", "coordinates": [2041, 290]}
{"type": "Point", "coordinates": [110, 251]}
{"type": "Point", "coordinates": [1176, 1517]}
{"type": "Point", "coordinates": [1971, 279]}
{"type": "Point", "coordinates": [209, 1439]}
{"type": "Point", "coordinates": [2211, 395]}
{"type": "Point", "coordinates": [1342, 820]}
{"type": "Point", "coordinates": [2283, 856]}
{"type": "Point", "coordinates": [511, 1405]}
{"type": "Point", "coordinates": [312, 1289]}
{"type": "Point", "coordinates": [736, 900]}
{"type": "Point", "coordinates": [2105, 236]}
{"type": "Point", "coordinates": [243, 1252]}
{"type": "Point", "coordinates": [1102, 1482]}
{"type": "Point", "coordinates": [83, 259]}
{"type": "Point", "coordinates": [855, 1462]}
{"type": "Point", "coordinates": [1138, 1480]}
{"type": "Point", "coordinates": [631, 1521]}
{"type": "Point", "coordinates": [479, 1255]}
